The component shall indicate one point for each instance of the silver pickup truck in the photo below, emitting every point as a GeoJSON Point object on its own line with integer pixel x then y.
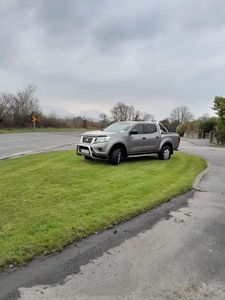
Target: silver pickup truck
{"type": "Point", "coordinates": [128, 139]}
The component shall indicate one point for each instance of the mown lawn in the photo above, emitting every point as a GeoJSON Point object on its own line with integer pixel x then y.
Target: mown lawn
{"type": "Point", "coordinates": [45, 129]}
{"type": "Point", "coordinates": [49, 200]}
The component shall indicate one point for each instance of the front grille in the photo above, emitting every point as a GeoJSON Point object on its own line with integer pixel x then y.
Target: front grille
{"type": "Point", "coordinates": [83, 148]}
{"type": "Point", "coordinates": [87, 139]}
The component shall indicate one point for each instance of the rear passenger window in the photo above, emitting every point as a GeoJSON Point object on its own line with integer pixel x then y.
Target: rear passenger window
{"type": "Point", "coordinates": [150, 128]}
{"type": "Point", "coordinates": [139, 128]}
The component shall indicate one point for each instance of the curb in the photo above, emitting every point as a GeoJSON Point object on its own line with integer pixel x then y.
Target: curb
{"type": "Point", "coordinates": [199, 177]}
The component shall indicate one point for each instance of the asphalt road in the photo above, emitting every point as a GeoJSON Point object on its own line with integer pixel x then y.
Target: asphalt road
{"type": "Point", "coordinates": [175, 251]}
{"type": "Point", "coordinates": [18, 144]}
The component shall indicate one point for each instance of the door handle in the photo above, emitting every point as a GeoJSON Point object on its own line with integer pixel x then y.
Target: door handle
{"type": "Point", "coordinates": [144, 138]}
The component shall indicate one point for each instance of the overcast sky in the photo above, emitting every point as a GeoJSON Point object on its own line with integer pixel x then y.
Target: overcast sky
{"type": "Point", "coordinates": [90, 54]}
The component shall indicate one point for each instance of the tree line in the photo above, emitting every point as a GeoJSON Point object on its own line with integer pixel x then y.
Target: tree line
{"type": "Point", "coordinates": [17, 109]}
{"type": "Point", "coordinates": [205, 124]}
{"type": "Point", "coordinates": [16, 112]}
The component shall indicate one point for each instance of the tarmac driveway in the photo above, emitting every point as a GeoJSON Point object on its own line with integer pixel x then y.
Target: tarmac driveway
{"type": "Point", "coordinates": [214, 181]}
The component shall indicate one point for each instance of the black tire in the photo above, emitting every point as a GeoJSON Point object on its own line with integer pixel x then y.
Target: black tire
{"type": "Point", "coordinates": [165, 153]}
{"type": "Point", "coordinates": [115, 156]}
{"type": "Point", "coordinates": [87, 157]}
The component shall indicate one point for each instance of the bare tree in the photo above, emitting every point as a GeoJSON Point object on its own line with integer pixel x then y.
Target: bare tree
{"type": "Point", "coordinates": [136, 115]}
{"type": "Point", "coordinates": [5, 109]}
{"type": "Point", "coordinates": [204, 117]}
{"type": "Point", "coordinates": [77, 121]}
{"type": "Point", "coordinates": [104, 120]}
{"type": "Point", "coordinates": [24, 105]}
{"type": "Point", "coordinates": [84, 122]}
{"type": "Point", "coordinates": [148, 117]}
{"type": "Point", "coordinates": [181, 114]}
{"type": "Point", "coordinates": [121, 112]}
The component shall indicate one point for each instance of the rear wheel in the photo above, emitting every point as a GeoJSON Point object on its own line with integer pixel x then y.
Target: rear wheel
{"type": "Point", "coordinates": [115, 156]}
{"type": "Point", "coordinates": [165, 153]}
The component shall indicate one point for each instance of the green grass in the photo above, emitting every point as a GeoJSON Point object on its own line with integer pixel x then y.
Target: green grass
{"type": "Point", "coordinates": [46, 129]}
{"type": "Point", "coordinates": [49, 200]}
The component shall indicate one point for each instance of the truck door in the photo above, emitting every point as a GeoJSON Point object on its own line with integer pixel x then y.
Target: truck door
{"type": "Point", "coordinates": [146, 140]}
{"type": "Point", "coordinates": [152, 138]}
{"type": "Point", "coordinates": [136, 142]}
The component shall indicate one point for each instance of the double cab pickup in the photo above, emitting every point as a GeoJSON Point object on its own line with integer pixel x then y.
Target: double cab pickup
{"type": "Point", "coordinates": [128, 139]}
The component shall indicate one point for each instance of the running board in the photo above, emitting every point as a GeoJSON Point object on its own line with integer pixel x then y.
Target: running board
{"type": "Point", "coordinates": [140, 155]}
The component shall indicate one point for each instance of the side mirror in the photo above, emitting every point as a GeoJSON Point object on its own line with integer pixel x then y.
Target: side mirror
{"type": "Point", "coordinates": [133, 132]}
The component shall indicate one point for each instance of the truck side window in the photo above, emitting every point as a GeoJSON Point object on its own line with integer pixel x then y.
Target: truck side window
{"type": "Point", "coordinates": [139, 128]}
{"type": "Point", "coordinates": [150, 128]}
{"type": "Point", "coordinates": [162, 128]}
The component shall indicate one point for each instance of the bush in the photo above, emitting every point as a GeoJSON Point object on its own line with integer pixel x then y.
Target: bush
{"type": "Point", "coordinates": [220, 131]}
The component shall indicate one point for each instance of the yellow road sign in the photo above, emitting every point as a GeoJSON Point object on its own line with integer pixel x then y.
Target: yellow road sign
{"type": "Point", "coordinates": [33, 119]}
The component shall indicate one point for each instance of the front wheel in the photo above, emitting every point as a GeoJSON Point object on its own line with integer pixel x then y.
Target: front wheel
{"type": "Point", "coordinates": [115, 156]}
{"type": "Point", "coordinates": [165, 153]}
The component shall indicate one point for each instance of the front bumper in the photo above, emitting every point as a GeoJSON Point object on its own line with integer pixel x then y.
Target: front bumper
{"type": "Point", "coordinates": [96, 152]}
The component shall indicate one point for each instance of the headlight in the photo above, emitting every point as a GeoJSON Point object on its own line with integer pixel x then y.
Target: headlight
{"type": "Point", "coordinates": [81, 139]}
{"type": "Point", "coordinates": [102, 139]}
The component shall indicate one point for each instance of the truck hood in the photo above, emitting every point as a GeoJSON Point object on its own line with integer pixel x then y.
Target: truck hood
{"type": "Point", "coordinates": [99, 133]}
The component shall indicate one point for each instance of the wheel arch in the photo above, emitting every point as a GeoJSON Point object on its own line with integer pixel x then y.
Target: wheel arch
{"type": "Point", "coordinates": [166, 144]}
{"type": "Point", "coordinates": [122, 147]}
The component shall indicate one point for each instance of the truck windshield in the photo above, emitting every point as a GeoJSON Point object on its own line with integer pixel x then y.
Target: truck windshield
{"type": "Point", "coordinates": [118, 127]}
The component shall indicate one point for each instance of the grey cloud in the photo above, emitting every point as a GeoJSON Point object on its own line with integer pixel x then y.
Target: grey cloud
{"type": "Point", "coordinates": [114, 32]}
{"type": "Point", "coordinates": [161, 53]}
{"type": "Point", "coordinates": [205, 16]}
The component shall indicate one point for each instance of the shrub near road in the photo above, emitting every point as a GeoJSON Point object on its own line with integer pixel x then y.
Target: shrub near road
{"type": "Point", "coordinates": [49, 200]}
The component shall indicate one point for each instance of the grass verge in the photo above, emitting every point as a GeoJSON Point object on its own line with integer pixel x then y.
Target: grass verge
{"type": "Point", "coordinates": [46, 129]}
{"type": "Point", "coordinates": [49, 200]}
